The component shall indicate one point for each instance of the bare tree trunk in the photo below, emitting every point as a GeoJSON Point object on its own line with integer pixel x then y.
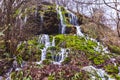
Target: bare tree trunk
{"type": "Point", "coordinates": [117, 18]}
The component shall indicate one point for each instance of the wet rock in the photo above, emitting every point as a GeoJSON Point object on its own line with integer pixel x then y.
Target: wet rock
{"type": "Point", "coordinates": [51, 23]}
{"type": "Point", "coordinates": [70, 29]}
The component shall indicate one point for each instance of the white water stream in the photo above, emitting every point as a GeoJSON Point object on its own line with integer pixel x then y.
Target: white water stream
{"type": "Point", "coordinates": [62, 24]}
{"type": "Point", "coordinates": [97, 73]}
{"type": "Point", "coordinates": [58, 57]}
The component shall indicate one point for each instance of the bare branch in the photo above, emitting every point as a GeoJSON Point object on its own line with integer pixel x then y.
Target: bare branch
{"type": "Point", "coordinates": [111, 6]}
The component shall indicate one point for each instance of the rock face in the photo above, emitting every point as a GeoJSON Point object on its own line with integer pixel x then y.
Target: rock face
{"type": "Point", "coordinates": [70, 29]}
{"type": "Point", "coordinates": [51, 23]}
{"type": "Point", "coordinates": [46, 21]}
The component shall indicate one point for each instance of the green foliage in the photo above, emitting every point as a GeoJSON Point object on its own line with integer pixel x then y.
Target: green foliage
{"type": "Point", "coordinates": [29, 48]}
{"type": "Point", "coordinates": [78, 76]}
{"type": "Point", "coordinates": [32, 42]}
{"type": "Point", "coordinates": [54, 48]}
{"type": "Point", "coordinates": [51, 77]}
{"type": "Point", "coordinates": [75, 42]}
{"type": "Point", "coordinates": [111, 69]}
{"type": "Point", "coordinates": [48, 55]}
{"type": "Point", "coordinates": [19, 59]}
{"type": "Point", "coordinates": [46, 62]}
{"type": "Point", "coordinates": [114, 49]}
{"type": "Point", "coordinates": [67, 60]}
{"type": "Point", "coordinates": [117, 76]}
{"type": "Point", "coordinates": [65, 16]}
{"type": "Point", "coordinates": [99, 59]}
{"type": "Point", "coordinates": [19, 76]}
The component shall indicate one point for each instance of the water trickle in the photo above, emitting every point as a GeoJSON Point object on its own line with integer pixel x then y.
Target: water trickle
{"type": "Point", "coordinates": [78, 32]}
{"type": "Point", "coordinates": [59, 58]}
{"type": "Point", "coordinates": [73, 21]}
{"type": "Point", "coordinates": [53, 41]}
{"type": "Point", "coordinates": [62, 24]}
{"type": "Point", "coordinates": [44, 39]}
{"type": "Point", "coordinates": [97, 73]}
{"type": "Point", "coordinates": [26, 17]}
{"type": "Point", "coordinates": [113, 61]}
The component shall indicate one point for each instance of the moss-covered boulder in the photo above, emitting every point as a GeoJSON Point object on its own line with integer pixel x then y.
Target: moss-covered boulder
{"type": "Point", "coordinates": [29, 50]}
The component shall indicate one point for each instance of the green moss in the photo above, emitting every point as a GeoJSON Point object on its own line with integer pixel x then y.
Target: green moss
{"type": "Point", "coordinates": [75, 42]}
{"type": "Point", "coordinates": [117, 77]}
{"type": "Point", "coordinates": [111, 69]}
{"type": "Point", "coordinates": [114, 49]}
{"type": "Point", "coordinates": [40, 46]}
{"type": "Point", "coordinates": [48, 55]}
{"type": "Point", "coordinates": [99, 60]}
{"type": "Point", "coordinates": [67, 60]}
{"type": "Point", "coordinates": [54, 48]}
{"type": "Point", "coordinates": [19, 59]}
{"type": "Point", "coordinates": [46, 62]}
{"type": "Point", "coordinates": [66, 19]}
{"type": "Point", "coordinates": [20, 76]}
{"type": "Point", "coordinates": [29, 48]}
{"type": "Point", "coordinates": [32, 42]}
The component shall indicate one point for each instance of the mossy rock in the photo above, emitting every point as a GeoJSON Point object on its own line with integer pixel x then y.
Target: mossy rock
{"type": "Point", "coordinates": [99, 60]}
{"type": "Point", "coordinates": [67, 60]}
{"type": "Point", "coordinates": [54, 48]}
{"type": "Point", "coordinates": [70, 29]}
{"type": "Point", "coordinates": [46, 62]}
{"type": "Point", "coordinates": [111, 69]}
{"type": "Point", "coordinates": [49, 55]}
{"type": "Point", "coordinates": [114, 49]}
{"type": "Point", "coordinates": [29, 48]}
{"type": "Point", "coordinates": [75, 42]}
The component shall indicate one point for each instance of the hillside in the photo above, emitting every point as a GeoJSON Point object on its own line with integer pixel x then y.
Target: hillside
{"type": "Point", "coordinates": [51, 42]}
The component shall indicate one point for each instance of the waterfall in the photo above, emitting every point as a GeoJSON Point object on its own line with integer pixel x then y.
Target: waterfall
{"type": "Point", "coordinates": [59, 58]}
{"type": "Point", "coordinates": [44, 40]}
{"type": "Point", "coordinates": [78, 32]}
{"type": "Point", "coordinates": [73, 21]}
{"type": "Point", "coordinates": [53, 41]}
{"type": "Point", "coordinates": [62, 24]}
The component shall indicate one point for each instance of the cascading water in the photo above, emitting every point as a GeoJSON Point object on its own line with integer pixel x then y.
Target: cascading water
{"type": "Point", "coordinates": [97, 72]}
{"type": "Point", "coordinates": [73, 21]}
{"type": "Point", "coordinates": [53, 41]}
{"type": "Point", "coordinates": [62, 24]}
{"type": "Point", "coordinates": [57, 57]}
{"type": "Point", "coordinates": [113, 61]}
{"type": "Point", "coordinates": [100, 48]}
{"type": "Point", "coordinates": [44, 39]}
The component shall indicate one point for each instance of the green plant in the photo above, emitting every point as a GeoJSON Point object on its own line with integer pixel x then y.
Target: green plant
{"type": "Point", "coordinates": [111, 69]}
